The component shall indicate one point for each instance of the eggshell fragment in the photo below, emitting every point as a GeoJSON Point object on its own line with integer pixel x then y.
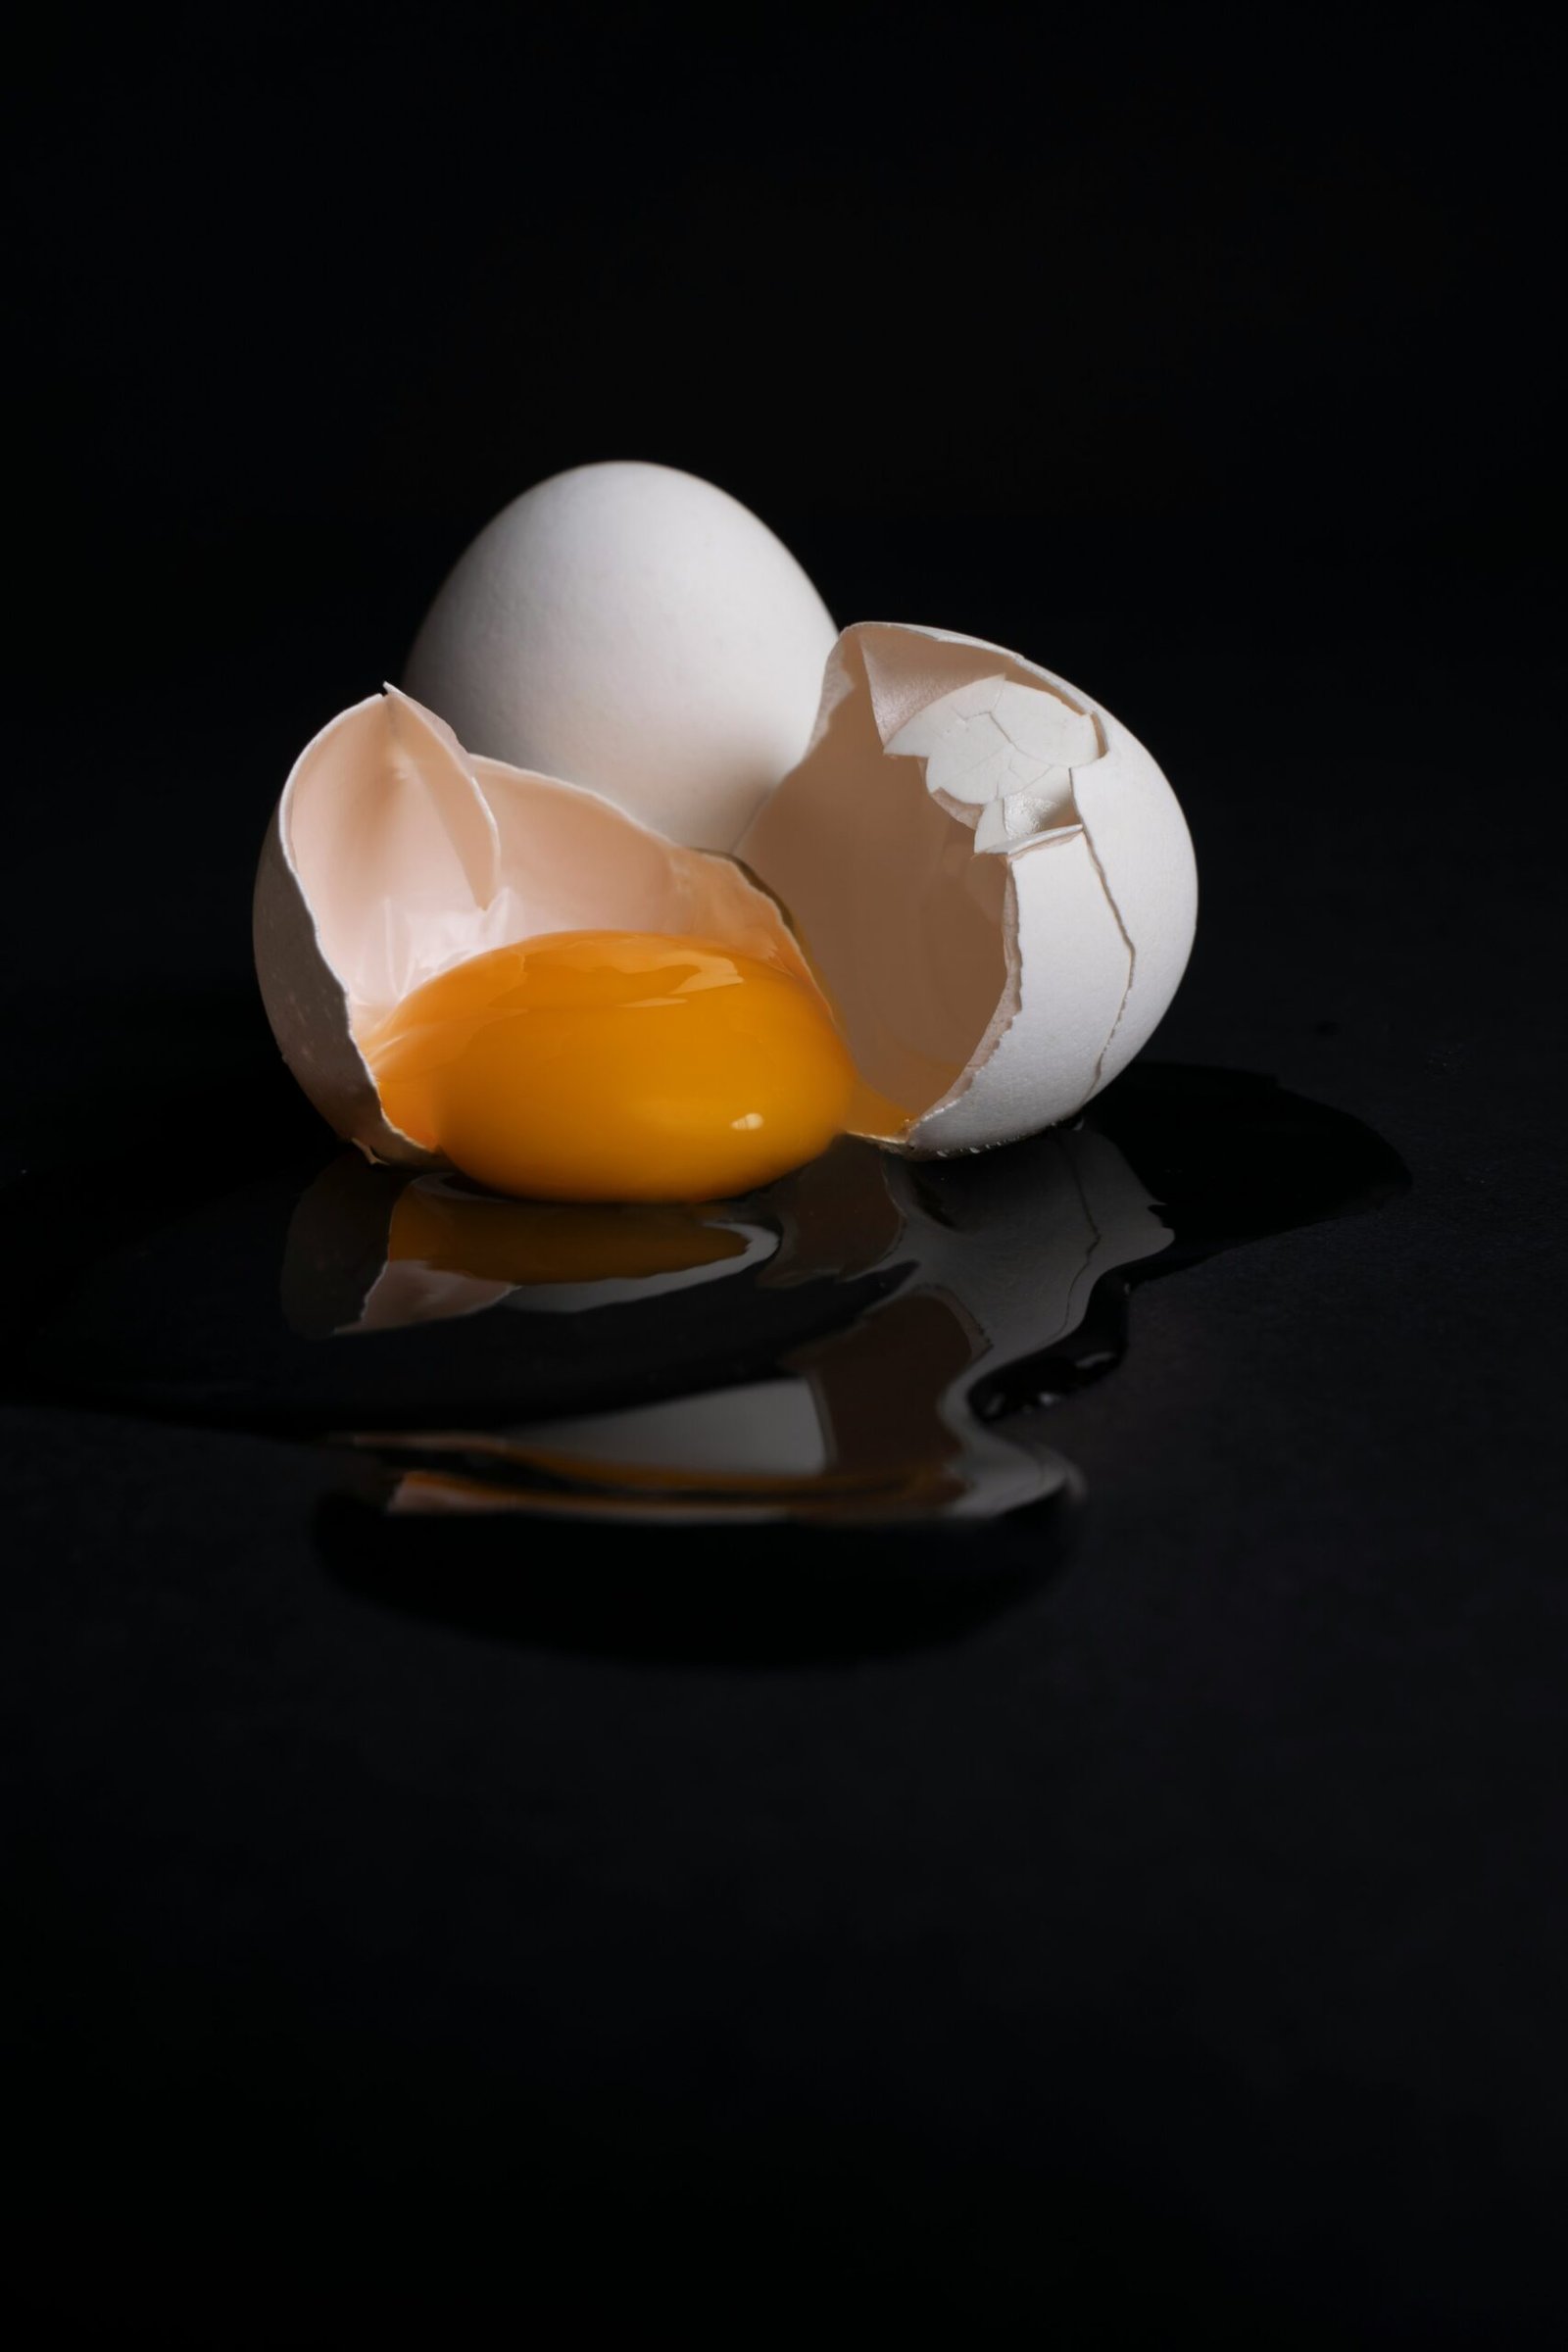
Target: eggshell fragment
{"type": "Point", "coordinates": [640, 632]}
{"type": "Point", "coordinates": [991, 876]}
{"type": "Point", "coordinates": [393, 855]}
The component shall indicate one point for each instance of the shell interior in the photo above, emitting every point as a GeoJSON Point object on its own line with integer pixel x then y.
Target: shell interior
{"type": "Point", "coordinates": [931, 850]}
{"type": "Point", "coordinates": [395, 856]}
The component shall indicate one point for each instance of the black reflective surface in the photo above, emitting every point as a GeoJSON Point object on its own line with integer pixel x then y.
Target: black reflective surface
{"type": "Point", "coordinates": [1154, 1887]}
{"type": "Point", "coordinates": [1176, 1953]}
{"type": "Point", "coordinates": [864, 1340]}
{"type": "Point", "coordinates": [871, 1348]}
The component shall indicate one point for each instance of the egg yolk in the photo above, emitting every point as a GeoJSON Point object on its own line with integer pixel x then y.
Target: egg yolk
{"type": "Point", "coordinates": [615, 1065]}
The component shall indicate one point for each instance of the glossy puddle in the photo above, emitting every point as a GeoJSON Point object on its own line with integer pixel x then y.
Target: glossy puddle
{"type": "Point", "coordinates": [870, 1342]}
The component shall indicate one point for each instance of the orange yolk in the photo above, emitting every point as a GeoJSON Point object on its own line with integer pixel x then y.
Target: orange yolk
{"type": "Point", "coordinates": [615, 1065]}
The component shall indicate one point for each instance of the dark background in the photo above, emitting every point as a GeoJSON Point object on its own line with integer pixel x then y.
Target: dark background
{"type": "Point", "coordinates": [1187, 1944]}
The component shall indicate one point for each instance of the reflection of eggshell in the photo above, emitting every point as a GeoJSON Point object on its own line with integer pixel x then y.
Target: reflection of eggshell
{"type": "Point", "coordinates": [991, 877]}
{"type": "Point", "coordinates": [393, 855]}
{"type": "Point", "coordinates": [638, 631]}
{"type": "Point", "coordinates": [369, 1252]}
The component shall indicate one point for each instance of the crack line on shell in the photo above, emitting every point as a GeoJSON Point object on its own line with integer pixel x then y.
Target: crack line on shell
{"type": "Point", "coordinates": [1127, 941]}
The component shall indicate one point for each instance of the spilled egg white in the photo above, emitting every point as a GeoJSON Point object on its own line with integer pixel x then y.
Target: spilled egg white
{"type": "Point", "coordinates": [988, 877]}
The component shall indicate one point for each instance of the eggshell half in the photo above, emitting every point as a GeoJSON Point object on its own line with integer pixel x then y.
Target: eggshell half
{"type": "Point", "coordinates": [393, 855]}
{"type": "Point", "coordinates": [638, 631]}
{"type": "Point", "coordinates": [990, 875]}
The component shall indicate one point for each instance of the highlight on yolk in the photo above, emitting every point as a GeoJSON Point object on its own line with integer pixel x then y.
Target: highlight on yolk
{"type": "Point", "coordinates": [615, 1065]}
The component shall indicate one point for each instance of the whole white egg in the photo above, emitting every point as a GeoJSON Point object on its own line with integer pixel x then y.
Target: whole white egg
{"type": "Point", "coordinates": [634, 629]}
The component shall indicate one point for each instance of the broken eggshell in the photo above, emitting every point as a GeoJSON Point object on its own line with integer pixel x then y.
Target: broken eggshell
{"type": "Point", "coordinates": [392, 855]}
{"type": "Point", "coordinates": [991, 877]}
{"type": "Point", "coordinates": [988, 877]}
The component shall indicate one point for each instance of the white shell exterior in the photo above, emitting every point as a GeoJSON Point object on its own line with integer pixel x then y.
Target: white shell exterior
{"type": "Point", "coordinates": [638, 631]}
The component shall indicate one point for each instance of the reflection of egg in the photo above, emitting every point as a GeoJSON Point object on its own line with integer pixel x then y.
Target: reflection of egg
{"type": "Point", "coordinates": [990, 879]}
{"type": "Point", "coordinates": [866, 1412]}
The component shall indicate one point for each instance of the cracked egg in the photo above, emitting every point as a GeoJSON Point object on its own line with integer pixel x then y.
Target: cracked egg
{"type": "Point", "coordinates": [942, 916]}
